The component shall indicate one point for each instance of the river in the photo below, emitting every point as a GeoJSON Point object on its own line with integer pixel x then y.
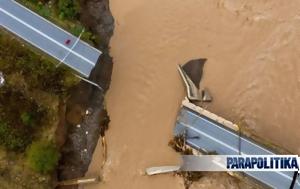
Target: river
{"type": "Point", "coordinates": [253, 73]}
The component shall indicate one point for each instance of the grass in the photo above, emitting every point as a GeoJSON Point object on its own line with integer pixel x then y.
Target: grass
{"type": "Point", "coordinates": [42, 156]}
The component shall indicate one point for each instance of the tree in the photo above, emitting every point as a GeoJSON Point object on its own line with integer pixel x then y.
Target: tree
{"type": "Point", "coordinates": [68, 8]}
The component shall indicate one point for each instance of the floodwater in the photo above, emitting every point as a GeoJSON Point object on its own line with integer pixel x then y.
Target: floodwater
{"type": "Point", "coordinates": [253, 73]}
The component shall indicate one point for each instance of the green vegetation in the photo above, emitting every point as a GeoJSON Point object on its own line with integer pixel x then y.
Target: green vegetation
{"type": "Point", "coordinates": [86, 35]}
{"type": "Point", "coordinates": [30, 79]}
{"type": "Point", "coordinates": [29, 106]}
{"type": "Point", "coordinates": [69, 9]}
{"type": "Point", "coordinates": [35, 71]}
{"type": "Point", "coordinates": [27, 119]}
{"type": "Point", "coordinates": [64, 13]}
{"type": "Point", "coordinates": [42, 156]}
{"type": "Point", "coordinates": [19, 118]}
{"type": "Point", "coordinates": [31, 100]}
{"type": "Point", "coordinates": [11, 138]}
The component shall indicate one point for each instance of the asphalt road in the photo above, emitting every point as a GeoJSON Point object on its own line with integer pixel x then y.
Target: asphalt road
{"type": "Point", "coordinates": [205, 134]}
{"type": "Point", "coordinates": [48, 37]}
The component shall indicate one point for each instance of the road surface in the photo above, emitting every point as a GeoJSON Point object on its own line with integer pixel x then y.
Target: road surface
{"type": "Point", "coordinates": [214, 137]}
{"type": "Point", "coordinates": [48, 37]}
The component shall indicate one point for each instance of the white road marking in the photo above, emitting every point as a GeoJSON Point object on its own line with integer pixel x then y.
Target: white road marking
{"type": "Point", "coordinates": [228, 146]}
{"type": "Point", "coordinates": [53, 24]}
{"type": "Point", "coordinates": [46, 36]}
{"type": "Point", "coordinates": [44, 50]}
{"type": "Point", "coordinates": [75, 43]}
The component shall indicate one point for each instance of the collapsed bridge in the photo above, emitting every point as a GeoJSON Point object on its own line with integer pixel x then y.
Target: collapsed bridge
{"type": "Point", "coordinates": [214, 136]}
{"type": "Point", "coordinates": [207, 132]}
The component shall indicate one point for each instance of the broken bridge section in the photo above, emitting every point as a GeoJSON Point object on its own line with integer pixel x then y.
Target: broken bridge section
{"type": "Point", "coordinates": [48, 37]}
{"type": "Point", "coordinates": [208, 132]}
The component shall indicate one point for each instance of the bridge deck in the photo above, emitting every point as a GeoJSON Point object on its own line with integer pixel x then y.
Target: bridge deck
{"type": "Point", "coordinates": [214, 137]}
{"type": "Point", "coordinates": [48, 37]}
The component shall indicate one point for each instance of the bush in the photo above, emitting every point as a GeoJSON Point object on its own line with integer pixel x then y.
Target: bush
{"type": "Point", "coordinates": [38, 72]}
{"type": "Point", "coordinates": [20, 119]}
{"type": "Point", "coordinates": [68, 8]}
{"type": "Point", "coordinates": [12, 138]}
{"type": "Point", "coordinates": [42, 156]}
{"type": "Point", "coordinates": [27, 119]}
{"type": "Point", "coordinates": [86, 35]}
{"type": "Point", "coordinates": [44, 11]}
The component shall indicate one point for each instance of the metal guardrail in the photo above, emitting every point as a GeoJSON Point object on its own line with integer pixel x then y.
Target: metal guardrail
{"type": "Point", "coordinates": [210, 133]}
{"type": "Point", "coordinates": [48, 37]}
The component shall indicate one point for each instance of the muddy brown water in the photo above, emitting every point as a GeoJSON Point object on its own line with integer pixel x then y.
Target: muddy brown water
{"type": "Point", "coordinates": [252, 71]}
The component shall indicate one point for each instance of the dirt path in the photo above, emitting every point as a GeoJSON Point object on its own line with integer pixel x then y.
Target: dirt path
{"type": "Point", "coordinates": [252, 47]}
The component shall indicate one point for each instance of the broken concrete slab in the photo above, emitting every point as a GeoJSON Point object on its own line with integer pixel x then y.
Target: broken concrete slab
{"type": "Point", "coordinates": [80, 181]}
{"type": "Point", "coordinates": [194, 70]}
{"type": "Point", "coordinates": [162, 170]}
{"type": "Point", "coordinates": [192, 91]}
{"type": "Point", "coordinates": [191, 74]}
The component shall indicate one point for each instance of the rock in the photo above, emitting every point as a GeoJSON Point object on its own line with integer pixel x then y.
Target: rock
{"type": "Point", "coordinates": [98, 17]}
{"type": "Point", "coordinates": [75, 114]}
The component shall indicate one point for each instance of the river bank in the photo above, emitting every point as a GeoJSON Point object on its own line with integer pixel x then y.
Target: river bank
{"type": "Point", "coordinates": [84, 129]}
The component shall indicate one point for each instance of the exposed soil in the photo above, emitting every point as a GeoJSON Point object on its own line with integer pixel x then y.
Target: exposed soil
{"type": "Point", "coordinates": [84, 130]}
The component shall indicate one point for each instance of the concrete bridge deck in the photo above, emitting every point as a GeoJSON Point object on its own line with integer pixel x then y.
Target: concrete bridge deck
{"type": "Point", "coordinates": [48, 37]}
{"type": "Point", "coordinates": [215, 134]}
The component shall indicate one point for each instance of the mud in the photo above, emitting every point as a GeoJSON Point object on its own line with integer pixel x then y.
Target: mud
{"type": "Point", "coordinates": [83, 130]}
